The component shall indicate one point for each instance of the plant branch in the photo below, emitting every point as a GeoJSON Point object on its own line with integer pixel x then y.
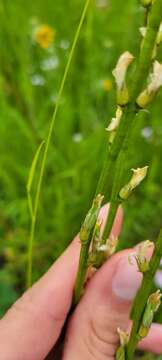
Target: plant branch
{"type": "Point", "coordinates": [129, 113]}
{"type": "Point", "coordinates": [142, 297]}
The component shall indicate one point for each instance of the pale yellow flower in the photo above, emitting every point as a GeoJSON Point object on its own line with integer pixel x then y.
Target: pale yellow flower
{"type": "Point", "coordinates": [44, 35]}
{"type": "Point", "coordinates": [121, 68]}
{"type": "Point", "coordinates": [137, 177]}
{"type": "Point", "coordinates": [120, 77]}
{"type": "Point", "coordinates": [154, 85]}
{"type": "Point", "coordinates": [107, 85]}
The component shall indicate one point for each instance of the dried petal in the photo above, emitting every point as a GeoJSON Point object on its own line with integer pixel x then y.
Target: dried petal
{"type": "Point", "coordinates": [120, 70]}
{"type": "Point", "coordinates": [120, 74]}
{"type": "Point", "coordinates": [115, 121]}
{"type": "Point", "coordinates": [155, 83]}
{"type": "Point", "coordinates": [138, 176]}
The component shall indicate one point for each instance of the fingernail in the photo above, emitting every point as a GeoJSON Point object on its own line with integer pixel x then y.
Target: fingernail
{"type": "Point", "coordinates": [126, 280]}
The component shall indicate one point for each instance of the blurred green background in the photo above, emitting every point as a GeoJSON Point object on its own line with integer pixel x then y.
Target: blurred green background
{"type": "Point", "coordinates": [35, 39]}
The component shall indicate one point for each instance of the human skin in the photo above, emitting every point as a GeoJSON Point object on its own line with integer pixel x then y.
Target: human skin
{"type": "Point", "coordinates": [32, 326]}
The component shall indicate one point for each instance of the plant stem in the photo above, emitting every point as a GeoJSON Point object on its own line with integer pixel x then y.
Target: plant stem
{"type": "Point", "coordinates": [81, 270]}
{"type": "Point", "coordinates": [115, 200]}
{"type": "Point", "coordinates": [142, 297]}
{"type": "Point", "coordinates": [51, 128]}
{"type": "Point", "coordinates": [86, 235]}
{"type": "Point", "coordinates": [116, 156]}
{"type": "Point", "coordinates": [130, 110]}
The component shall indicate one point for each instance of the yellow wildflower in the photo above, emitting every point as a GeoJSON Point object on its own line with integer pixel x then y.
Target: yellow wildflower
{"type": "Point", "coordinates": [44, 35]}
{"type": "Point", "coordinates": [107, 85]}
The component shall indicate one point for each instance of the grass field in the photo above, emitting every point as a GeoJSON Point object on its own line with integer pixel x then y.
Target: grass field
{"type": "Point", "coordinates": [31, 70]}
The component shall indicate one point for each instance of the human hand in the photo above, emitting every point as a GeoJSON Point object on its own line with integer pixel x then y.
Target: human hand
{"type": "Point", "coordinates": [30, 329]}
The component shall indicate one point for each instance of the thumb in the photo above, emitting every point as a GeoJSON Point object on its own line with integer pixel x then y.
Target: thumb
{"type": "Point", "coordinates": [33, 324]}
{"type": "Point", "coordinates": [92, 331]}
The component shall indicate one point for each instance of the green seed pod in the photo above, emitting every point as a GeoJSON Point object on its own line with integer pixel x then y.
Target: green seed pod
{"type": "Point", "coordinates": [152, 306]}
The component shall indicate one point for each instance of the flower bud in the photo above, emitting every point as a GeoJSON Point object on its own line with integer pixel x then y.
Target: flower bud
{"type": "Point", "coordinates": [138, 176]}
{"type": "Point", "coordinates": [91, 219]}
{"type": "Point", "coordinates": [155, 83]}
{"type": "Point", "coordinates": [120, 74]}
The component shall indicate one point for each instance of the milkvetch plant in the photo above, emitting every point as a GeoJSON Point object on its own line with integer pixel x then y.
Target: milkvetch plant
{"type": "Point", "coordinates": [95, 246]}
{"type": "Point", "coordinates": [130, 99]}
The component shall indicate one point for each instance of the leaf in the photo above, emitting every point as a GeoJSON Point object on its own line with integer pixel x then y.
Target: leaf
{"type": "Point", "coordinates": [33, 167]}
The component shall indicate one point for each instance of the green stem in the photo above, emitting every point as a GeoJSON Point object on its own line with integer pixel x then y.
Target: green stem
{"type": "Point", "coordinates": [82, 269]}
{"type": "Point", "coordinates": [115, 200]}
{"type": "Point", "coordinates": [50, 132]}
{"type": "Point", "coordinates": [140, 77]}
{"type": "Point", "coordinates": [116, 156]}
{"type": "Point", "coordinates": [142, 297]}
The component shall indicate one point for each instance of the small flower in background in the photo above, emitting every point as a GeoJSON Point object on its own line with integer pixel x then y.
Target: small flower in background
{"type": "Point", "coordinates": [147, 133]}
{"type": "Point", "coordinates": [50, 63]}
{"type": "Point", "coordinates": [158, 279]}
{"type": "Point", "coordinates": [37, 80]}
{"type": "Point", "coordinates": [64, 44]}
{"type": "Point", "coordinates": [44, 35]}
{"type": "Point", "coordinates": [77, 137]}
{"type": "Point", "coordinates": [101, 4]}
{"type": "Point", "coordinates": [107, 85]}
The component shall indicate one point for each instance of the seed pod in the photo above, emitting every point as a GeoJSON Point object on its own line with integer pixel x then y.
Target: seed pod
{"type": "Point", "coordinates": [152, 306]}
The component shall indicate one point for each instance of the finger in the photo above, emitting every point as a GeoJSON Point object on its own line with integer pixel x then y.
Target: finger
{"type": "Point", "coordinates": [32, 326]}
{"type": "Point", "coordinates": [92, 331]}
{"type": "Point", "coordinates": [153, 342]}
